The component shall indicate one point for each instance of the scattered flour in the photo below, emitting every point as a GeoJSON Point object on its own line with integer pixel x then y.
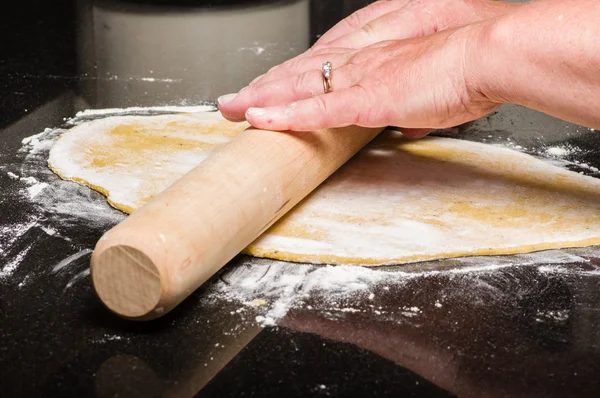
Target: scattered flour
{"type": "Point", "coordinates": [554, 316]}
{"type": "Point", "coordinates": [275, 287]}
{"type": "Point", "coordinates": [61, 201]}
{"type": "Point", "coordinates": [585, 166]}
{"type": "Point", "coordinates": [38, 143]}
{"type": "Point", "coordinates": [11, 233]}
{"type": "Point", "coordinates": [24, 281]}
{"type": "Point", "coordinates": [35, 189]}
{"type": "Point", "coordinates": [48, 230]}
{"type": "Point", "coordinates": [558, 151]}
{"type": "Point", "coordinates": [69, 260]}
{"type": "Point", "coordinates": [558, 155]}
{"type": "Point", "coordinates": [570, 164]}
{"type": "Point", "coordinates": [55, 202]}
{"type": "Point", "coordinates": [81, 275]}
{"type": "Point", "coordinates": [154, 79]}
{"type": "Point", "coordinates": [107, 338]}
{"type": "Point", "coordinates": [271, 287]}
{"type": "Point", "coordinates": [258, 50]}
{"type": "Point", "coordinates": [557, 269]}
{"type": "Point", "coordinates": [8, 269]}
{"type": "Point", "coordinates": [29, 180]}
{"type": "Point", "coordinates": [139, 110]}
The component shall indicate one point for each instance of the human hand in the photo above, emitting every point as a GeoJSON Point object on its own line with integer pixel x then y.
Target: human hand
{"type": "Point", "coordinates": [404, 19]}
{"type": "Point", "coordinates": [396, 20]}
{"type": "Point", "coordinates": [417, 84]}
{"type": "Point", "coordinates": [382, 20]}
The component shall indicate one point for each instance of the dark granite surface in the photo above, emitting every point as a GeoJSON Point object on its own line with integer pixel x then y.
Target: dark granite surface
{"type": "Point", "coordinates": [531, 329]}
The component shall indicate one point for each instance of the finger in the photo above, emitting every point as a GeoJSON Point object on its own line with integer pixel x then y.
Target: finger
{"type": "Point", "coordinates": [349, 24]}
{"type": "Point", "coordinates": [284, 91]}
{"type": "Point", "coordinates": [304, 63]}
{"type": "Point", "coordinates": [256, 79]}
{"type": "Point", "coordinates": [227, 103]}
{"type": "Point", "coordinates": [405, 23]}
{"type": "Point", "coordinates": [358, 19]}
{"type": "Point", "coordinates": [337, 109]}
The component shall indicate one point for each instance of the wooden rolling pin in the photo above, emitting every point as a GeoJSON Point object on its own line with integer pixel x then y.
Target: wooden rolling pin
{"type": "Point", "coordinates": [146, 265]}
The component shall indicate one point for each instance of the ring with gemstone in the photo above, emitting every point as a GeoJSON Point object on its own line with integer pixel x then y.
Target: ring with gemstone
{"type": "Point", "coordinates": [327, 87]}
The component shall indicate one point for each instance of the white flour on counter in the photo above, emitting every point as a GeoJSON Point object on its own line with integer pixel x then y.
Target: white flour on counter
{"type": "Point", "coordinates": [558, 151]}
{"type": "Point", "coordinates": [10, 233]}
{"type": "Point", "coordinates": [55, 203]}
{"type": "Point", "coordinates": [67, 261]}
{"type": "Point", "coordinates": [139, 110]}
{"type": "Point", "coordinates": [58, 199]}
{"type": "Point", "coordinates": [7, 270]}
{"type": "Point", "coordinates": [10, 236]}
{"type": "Point", "coordinates": [557, 155]}
{"type": "Point", "coordinates": [275, 287]}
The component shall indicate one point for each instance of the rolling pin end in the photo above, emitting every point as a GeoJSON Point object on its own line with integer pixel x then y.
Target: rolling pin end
{"type": "Point", "coordinates": [127, 281]}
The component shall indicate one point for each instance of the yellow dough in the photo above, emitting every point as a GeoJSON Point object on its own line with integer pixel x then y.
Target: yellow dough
{"type": "Point", "coordinates": [397, 201]}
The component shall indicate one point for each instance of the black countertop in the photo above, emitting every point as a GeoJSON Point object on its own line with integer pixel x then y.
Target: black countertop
{"type": "Point", "coordinates": [506, 326]}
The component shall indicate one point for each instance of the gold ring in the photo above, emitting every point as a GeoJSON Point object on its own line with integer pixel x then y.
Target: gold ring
{"type": "Point", "coordinates": [327, 87]}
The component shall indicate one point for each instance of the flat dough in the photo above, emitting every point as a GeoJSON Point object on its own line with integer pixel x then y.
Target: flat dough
{"type": "Point", "coordinates": [397, 201]}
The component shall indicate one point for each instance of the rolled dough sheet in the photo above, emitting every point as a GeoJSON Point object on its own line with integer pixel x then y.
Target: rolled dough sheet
{"type": "Point", "coordinates": [397, 201]}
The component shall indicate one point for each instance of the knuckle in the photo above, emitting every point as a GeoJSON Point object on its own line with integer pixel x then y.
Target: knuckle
{"type": "Point", "coordinates": [347, 75]}
{"type": "Point", "coordinates": [284, 67]}
{"type": "Point", "coordinates": [355, 20]}
{"type": "Point", "coordinates": [253, 94]}
{"type": "Point", "coordinates": [299, 85]}
{"type": "Point", "coordinates": [291, 66]}
{"type": "Point", "coordinates": [246, 92]}
{"type": "Point", "coordinates": [358, 18]}
{"type": "Point", "coordinates": [363, 116]}
{"type": "Point", "coordinates": [363, 58]}
{"type": "Point", "coordinates": [250, 95]}
{"type": "Point", "coordinates": [369, 29]}
{"type": "Point", "coordinates": [321, 51]}
{"type": "Point", "coordinates": [368, 113]}
{"type": "Point", "coordinates": [321, 105]}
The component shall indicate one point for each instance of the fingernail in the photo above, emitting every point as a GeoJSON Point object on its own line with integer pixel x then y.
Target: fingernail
{"type": "Point", "coordinates": [222, 100]}
{"type": "Point", "coordinates": [256, 112]}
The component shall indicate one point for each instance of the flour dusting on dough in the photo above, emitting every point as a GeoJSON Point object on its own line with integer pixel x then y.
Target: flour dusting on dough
{"type": "Point", "coordinates": [139, 156]}
{"type": "Point", "coordinates": [397, 201]}
{"type": "Point", "coordinates": [142, 110]}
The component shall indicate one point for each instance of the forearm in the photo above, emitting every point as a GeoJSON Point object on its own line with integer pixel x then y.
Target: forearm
{"type": "Point", "coordinates": [545, 56]}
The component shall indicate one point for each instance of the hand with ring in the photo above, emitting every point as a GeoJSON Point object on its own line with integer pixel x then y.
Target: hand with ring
{"type": "Point", "coordinates": [417, 84]}
{"type": "Point", "coordinates": [427, 64]}
{"type": "Point", "coordinates": [380, 21]}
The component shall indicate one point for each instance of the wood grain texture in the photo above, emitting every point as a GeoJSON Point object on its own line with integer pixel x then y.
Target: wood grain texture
{"type": "Point", "coordinates": [146, 265]}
